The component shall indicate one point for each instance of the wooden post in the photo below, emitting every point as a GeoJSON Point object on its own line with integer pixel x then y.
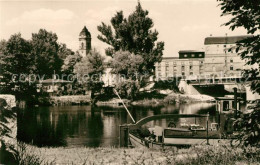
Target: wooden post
{"type": "Point", "coordinates": [208, 128]}
{"type": "Point", "coordinates": [235, 102]}
{"type": "Point", "coordinates": [123, 135]}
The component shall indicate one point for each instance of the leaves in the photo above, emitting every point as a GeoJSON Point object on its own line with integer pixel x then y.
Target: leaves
{"type": "Point", "coordinates": [134, 34]}
{"type": "Point", "coordinates": [246, 14]}
{"type": "Point", "coordinates": [89, 71]}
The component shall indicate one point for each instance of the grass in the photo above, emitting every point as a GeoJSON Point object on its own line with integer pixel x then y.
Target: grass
{"type": "Point", "coordinates": [196, 155]}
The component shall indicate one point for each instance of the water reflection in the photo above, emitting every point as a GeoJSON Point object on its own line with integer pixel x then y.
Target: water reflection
{"type": "Point", "coordinates": [93, 126]}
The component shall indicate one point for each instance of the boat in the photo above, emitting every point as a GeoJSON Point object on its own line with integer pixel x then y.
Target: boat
{"type": "Point", "coordinates": [161, 137]}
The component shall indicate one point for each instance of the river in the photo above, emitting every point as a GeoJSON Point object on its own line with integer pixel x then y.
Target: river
{"type": "Point", "coordinates": [78, 126]}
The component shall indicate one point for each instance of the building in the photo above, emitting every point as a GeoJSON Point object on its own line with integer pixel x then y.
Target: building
{"type": "Point", "coordinates": [54, 86]}
{"type": "Point", "coordinates": [215, 60]}
{"type": "Point", "coordinates": [219, 61]}
{"type": "Point", "coordinates": [188, 64]}
{"type": "Point", "coordinates": [84, 42]}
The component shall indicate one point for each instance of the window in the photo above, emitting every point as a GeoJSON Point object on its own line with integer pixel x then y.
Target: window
{"type": "Point", "coordinates": [231, 60]}
{"type": "Point", "coordinates": [191, 67]}
{"type": "Point", "coordinates": [225, 46]}
{"type": "Point", "coordinates": [182, 63]}
{"type": "Point", "coordinates": [159, 74]}
{"type": "Point", "coordinates": [167, 63]}
{"type": "Point", "coordinates": [166, 74]}
{"type": "Point", "coordinates": [174, 62]}
{"type": "Point", "coordinates": [159, 68]}
{"type": "Point", "coordinates": [191, 73]}
{"type": "Point", "coordinates": [201, 62]}
{"type": "Point", "coordinates": [231, 67]}
{"type": "Point", "coordinates": [182, 68]}
{"type": "Point", "coordinates": [183, 73]}
{"type": "Point", "coordinates": [167, 68]}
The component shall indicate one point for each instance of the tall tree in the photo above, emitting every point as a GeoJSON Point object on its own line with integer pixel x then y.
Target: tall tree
{"type": "Point", "coordinates": [69, 63]}
{"type": "Point", "coordinates": [63, 51]}
{"type": "Point", "coordinates": [45, 49]}
{"type": "Point", "coordinates": [89, 71]}
{"type": "Point", "coordinates": [246, 14]}
{"type": "Point", "coordinates": [16, 60]}
{"type": "Point", "coordinates": [133, 34]}
{"type": "Point", "coordinates": [126, 64]}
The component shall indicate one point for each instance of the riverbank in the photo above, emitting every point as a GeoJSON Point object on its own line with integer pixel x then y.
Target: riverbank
{"type": "Point", "coordinates": [196, 155]}
{"type": "Point", "coordinates": [159, 98]}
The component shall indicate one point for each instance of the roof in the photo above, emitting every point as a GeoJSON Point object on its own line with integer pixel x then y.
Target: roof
{"type": "Point", "coordinates": [191, 51]}
{"type": "Point", "coordinates": [170, 58]}
{"type": "Point", "coordinates": [227, 98]}
{"type": "Point", "coordinates": [225, 39]}
{"type": "Point", "coordinates": [48, 81]}
{"type": "Point", "coordinates": [85, 32]}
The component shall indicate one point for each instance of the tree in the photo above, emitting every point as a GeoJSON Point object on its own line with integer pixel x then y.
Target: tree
{"type": "Point", "coordinates": [246, 14]}
{"type": "Point", "coordinates": [89, 71]}
{"type": "Point", "coordinates": [63, 51]}
{"type": "Point", "coordinates": [16, 60]}
{"type": "Point", "coordinates": [69, 63]}
{"type": "Point", "coordinates": [134, 34]}
{"type": "Point", "coordinates": [45, 49]}
{"type": "Point", "coordinates": [126, 64]}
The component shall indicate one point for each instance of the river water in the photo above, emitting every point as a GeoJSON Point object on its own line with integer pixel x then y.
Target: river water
{"type": "Point", "coordinates": [78, 126]}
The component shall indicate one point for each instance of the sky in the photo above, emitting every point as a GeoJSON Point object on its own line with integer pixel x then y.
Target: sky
{"type": "Point", "coordinates": [182, 24]}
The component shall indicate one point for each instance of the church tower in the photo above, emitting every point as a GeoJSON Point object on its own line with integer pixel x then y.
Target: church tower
{"type": "Point", "coordinates": [84, 42]}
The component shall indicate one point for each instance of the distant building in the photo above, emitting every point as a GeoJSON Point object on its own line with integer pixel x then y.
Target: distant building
{"type": "Point", "coordinates": [188, 64]}
{"type": "Point", "coordinates": [84, 42]}
{"type": "Point", "coordinates": [54, 86]}
{"type": "Point", "coordinates": [215, 60]}
{"type": "Point", "coordinates": [219, 60]}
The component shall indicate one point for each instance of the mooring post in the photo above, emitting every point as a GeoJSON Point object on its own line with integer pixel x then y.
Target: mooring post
{"type": "Point", "coordinates": [123, 135]}
{"type": "Point", "coordinates": [208, 128]}
{"type": "Point", "coordinates": [235, 102]}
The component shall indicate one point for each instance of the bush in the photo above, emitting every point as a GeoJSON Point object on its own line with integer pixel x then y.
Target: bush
{"type": "Point", "coordinates": [248, 128]}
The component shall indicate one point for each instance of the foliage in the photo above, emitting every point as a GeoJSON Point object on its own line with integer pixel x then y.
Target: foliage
{"type": "Point", "coordinates": [249, 126]}
{"type": "Point", "coordinates": [89, 71]}
{"type": "Point", "coordinates": [45, 50]}
{"type": "Point", "coordinates": [197, 155]}
{"type": "Point", "coordinates": [133, 34]}
{"type": "Point", "coordinates": [127, 88]}
{"type": "Point", "coordinates": [6, 115]}
{"type": "Point", "coordinates": [246, 14]}
{"type": "Point", "coordinates": [167, 84]}
{"type": "Point", "coordinates": [63, 51]}
{"type": "Point", "coordinates": [15, 59]}
{"type": "Point", "coordinates": [126, 64]}
{"type": "Point", "coordinates": [69, 63]}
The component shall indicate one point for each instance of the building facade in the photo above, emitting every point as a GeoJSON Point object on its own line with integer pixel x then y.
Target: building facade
{"type": "Point", "coordinates": [215, 60]}
{"type": "Point", "coordinates": [188, 64]}
{"type": "Point", "coordinates": [219, 61]}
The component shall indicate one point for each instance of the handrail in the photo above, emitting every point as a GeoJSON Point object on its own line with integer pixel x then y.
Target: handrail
{"type": "Point", "coordinates": [162, 116]}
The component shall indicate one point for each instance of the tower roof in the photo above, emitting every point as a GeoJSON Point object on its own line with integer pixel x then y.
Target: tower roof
{"type": "Point", "coordinates": [85, 32]}
{"type": "Point", "coordinates": [225, 39]}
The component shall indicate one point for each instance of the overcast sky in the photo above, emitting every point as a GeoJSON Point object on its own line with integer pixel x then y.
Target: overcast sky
{"type": "Point", "coordinates": [182, 24]}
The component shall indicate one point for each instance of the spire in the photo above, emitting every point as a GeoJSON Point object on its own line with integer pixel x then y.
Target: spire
{"type": "Point", "coordinates": [85, 32]}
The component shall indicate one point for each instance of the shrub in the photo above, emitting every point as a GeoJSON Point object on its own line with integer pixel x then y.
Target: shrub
{"type": "Point", "coordinates": [248, 127]}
